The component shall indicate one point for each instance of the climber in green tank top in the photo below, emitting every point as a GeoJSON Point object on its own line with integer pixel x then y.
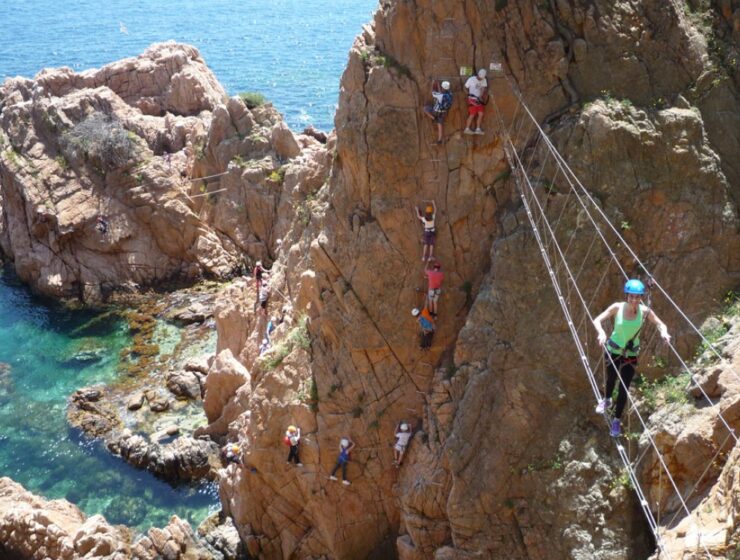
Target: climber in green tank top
{"type": "Point", "coordinates": [623, 346]}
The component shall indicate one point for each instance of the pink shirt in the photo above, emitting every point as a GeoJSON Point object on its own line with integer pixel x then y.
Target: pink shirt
{"type": "Point", "coordinates": [435, 278]}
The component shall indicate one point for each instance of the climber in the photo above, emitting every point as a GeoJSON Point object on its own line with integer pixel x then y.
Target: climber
{"type": "Point", "coordinates": [257, 273]}
{"type": "Point", "coordinates": [434, 289]}
{"type": "Point", "coordinates": [346, 446]}
{"type": "Point", "coordinates": [623, 346]}
{"type": "Point", "coordinates": [427, 219]}
{"type": "Point", "coordinates": [403, 435]}
{"type": "Point", "coordinates": [101, 224]}
{"type": "Point", "coordinates": [231, 453]}
{"type": "Point", "coordinates": [477, 88]}
{"type": "Point", "coordinates": [264, 295]}
{"type": "Point", "coordinates": [438, 110]}
{"type": "Point", "coordinates": [264, 346]}
{"type": "Point", "coordinates": [270, 328]}
{"type": "Point", "coordinates": [426, 323]}
{"type": "Point", "coordinates": [293, 438]}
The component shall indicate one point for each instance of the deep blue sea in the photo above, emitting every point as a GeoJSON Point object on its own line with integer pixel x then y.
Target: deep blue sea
{"type": "Point", "coordinates": [292, 51]}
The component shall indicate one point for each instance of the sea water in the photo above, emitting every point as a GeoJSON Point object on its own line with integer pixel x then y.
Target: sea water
{"type": "Point", "coordinates": [47, 351]}
{"type": "Point", "coordinates": [292, 51]}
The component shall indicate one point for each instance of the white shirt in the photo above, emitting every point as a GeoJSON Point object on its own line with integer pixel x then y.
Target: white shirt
{"type": "Point", "coordinates": [403, 438]}
{"type": "Point", "coordinates": [476, 86]}
{"type": "Point", "coordinates": [428, 224]}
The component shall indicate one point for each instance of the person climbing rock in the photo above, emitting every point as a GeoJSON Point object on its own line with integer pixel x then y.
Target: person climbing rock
{"type": "Point", "coordinates": [437, 111]}
{"type": "Point", "coordinates": [477, 88]}
{"type": "Point", "coordinates": [623, 346]}
{"type": "Point", "coordinates": [264, 346]}
{"type": "Point", "coordinates": [264, 295]}
{"type": "Point", "coordinates": [403, 435]}
{"type": "Point", "coordinates": [434, 285]}
{"type": "Point", "coordinates": [231, 453]}
{"type": "Point", "coordinates": [293, 438]}
{"type": "Point", "coordinates": [257, 273]}
{"type": "Point", "coordinates": [346, 446]}
{"type": "Point", "coordinates": [427, 220]}
{"type": "Point", "coordinates": [426, 323]}
{"type": "Point", "coordinates": [270, 328]}
{"type": "Point", "coordinates": [101, 224]}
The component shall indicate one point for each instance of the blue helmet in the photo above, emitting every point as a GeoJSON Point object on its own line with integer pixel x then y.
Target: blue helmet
{"type": "Point", "coordinates": [635, 287]}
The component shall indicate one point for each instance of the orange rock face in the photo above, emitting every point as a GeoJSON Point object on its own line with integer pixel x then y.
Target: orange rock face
{"type": "Point", "coordinates": [99, 175]}
{"type": "Point", "coordinates": [508, 459]}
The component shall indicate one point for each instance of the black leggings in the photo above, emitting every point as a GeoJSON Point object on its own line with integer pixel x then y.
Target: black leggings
{"type": "Point", "coordinates": [344, 469]}
{"type": "Point", "coordinates": [293, 454]}
{"type": "Point", "coordinates": [626, 367]}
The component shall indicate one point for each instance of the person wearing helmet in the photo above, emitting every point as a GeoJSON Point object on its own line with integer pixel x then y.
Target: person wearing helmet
{"type": "Point", "coordinates": [434, 287]}
{"type": "Point", "coordinates": [437, 111]}
{"type": "Point", "coordinates": [623, 346]}
{"type": "Point", "coordinates": [426, 324]}
{"type": "Point", "coordinates": [293, 438]}
{"type": "Point", "coordinates": [477, 88]}
{"type": "Point", "coordinates": [263, 295]}
{"type": "Point", "coordinates": [231, 453]}
{"type": "Point", "coordinates": [346, 446]}
{"type": "Point", "coordinates": [403, 435]}
{"type": "Point", "coordinates": [427, 219]}
{"type": "Point", "coordinates": [257, 273]}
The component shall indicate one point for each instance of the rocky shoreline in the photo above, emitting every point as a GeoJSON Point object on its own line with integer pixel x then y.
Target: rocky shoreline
{"type": "Point", "coordinates": [148, 415]}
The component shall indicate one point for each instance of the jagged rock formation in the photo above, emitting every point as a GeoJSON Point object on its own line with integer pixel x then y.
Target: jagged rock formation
{"type": "Point", "coordinates": [510, 461]}
{"type": "Point", "coordinates": [33, 528]}
{"type": "Point", "coordinates": [97, 174]}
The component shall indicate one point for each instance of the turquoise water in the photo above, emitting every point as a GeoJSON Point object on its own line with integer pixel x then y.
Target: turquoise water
{"type": "Point", "coordinates": [293, 51]}
{"type": "Point", "coordinates": [40, 366]}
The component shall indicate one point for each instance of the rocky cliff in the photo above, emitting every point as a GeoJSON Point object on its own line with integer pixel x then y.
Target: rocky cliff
{"type": "Point", "coordinates": [508, 459]}
{"type": "Point", "coordinates": [100, 175]}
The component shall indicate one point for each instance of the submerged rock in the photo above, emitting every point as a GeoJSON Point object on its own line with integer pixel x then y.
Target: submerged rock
{"type": "Point", "coordinates": [184, 384]}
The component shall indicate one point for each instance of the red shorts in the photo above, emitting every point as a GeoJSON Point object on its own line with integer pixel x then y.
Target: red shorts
{"type": "Point", "coordinates": [474, 107]}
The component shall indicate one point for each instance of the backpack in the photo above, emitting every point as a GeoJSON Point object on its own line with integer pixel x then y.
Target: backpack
{"type": "Point", "coordinates": [445, 103]}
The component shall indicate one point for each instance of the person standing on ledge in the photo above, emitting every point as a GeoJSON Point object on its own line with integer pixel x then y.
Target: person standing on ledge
{"type": "Point", "coordinates": [442, 103]}
{"type": "Point", "coordinates": [477, 88]}
{"type": "Point", "coordinates": [623, 346]}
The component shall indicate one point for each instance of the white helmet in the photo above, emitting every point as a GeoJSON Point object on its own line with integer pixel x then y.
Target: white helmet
{"type": "Point", "coordinates": [344, 442]}
{"type": "Point", "coordinates": [481, 73]}
{"type": "Point", "coordinates": [445, 85]}
{"type": "Point", "coordinates": [258, 263]}
{"type": "Point", "coordinates": [415, 311]}
{"type": "Point", "coordinates": [404, 427]}
{"type": "Point", "coordinates": [264, 341]}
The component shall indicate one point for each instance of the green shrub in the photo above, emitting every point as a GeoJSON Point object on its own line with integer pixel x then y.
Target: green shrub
{"type": "Point", "coordinates": [278, 176]}
{"type": "Point", "coordinates": [297, 337]}
{"type": "Point", "coordinates": [100, 139]}
{"type": "Point", "coordinates": [252, 99]}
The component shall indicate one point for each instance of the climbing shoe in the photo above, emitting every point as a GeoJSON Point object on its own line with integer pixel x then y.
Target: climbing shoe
{"type": "Point", "coordinates": [332, 477]}
{"type": "Point", "coordinates": [478, 131]}
{"type": "Point", "coordinates": [346, 482]}
{"type": "Point", "coordinates": [603, 405]}
{"type": "Point", "coordinates": [616, 429]}
{"type": "Point", "coordinates": [468, 131]}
